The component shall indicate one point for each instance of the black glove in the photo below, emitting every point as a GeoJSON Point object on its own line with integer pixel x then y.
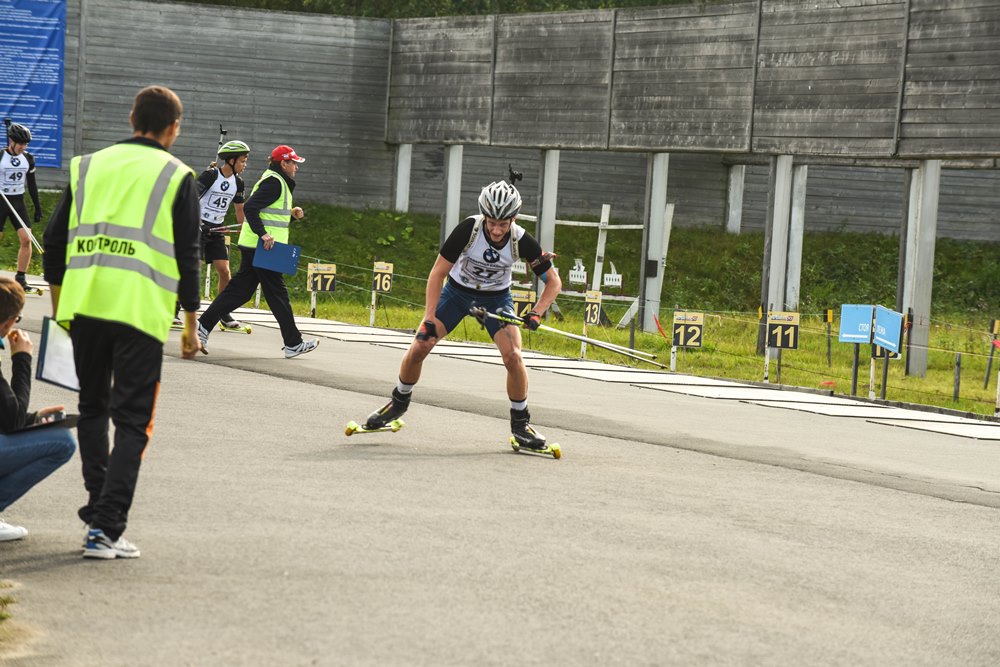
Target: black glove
{"type": "Point", "coordinates": [427, 330]}
{"type": "Point", "coordinates": [38, 215]}
{"type": "Point", "coordinates": [532, 320]}
{"type": "Point", "coordinates": [480, 315]}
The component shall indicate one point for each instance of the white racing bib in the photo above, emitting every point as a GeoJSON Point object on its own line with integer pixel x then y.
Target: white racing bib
{"type": "Point", "coordinates": [13, 173]}
{"type": "Point", "coordinates": [215, 201]}
{"type": "Point", "coordinates": [483, 267]}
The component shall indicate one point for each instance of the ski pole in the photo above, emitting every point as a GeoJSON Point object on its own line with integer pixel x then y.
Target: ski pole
{"type": "Point", "coordinates": [25, 227]}
{"type": "Point", "coordinates": [481, 313]}
{"type": "Point", "coordinates": [510, 318]}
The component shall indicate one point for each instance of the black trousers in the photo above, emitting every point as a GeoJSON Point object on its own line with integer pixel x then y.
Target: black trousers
{"type": "Point", "coordinates": [119, 371]}
{"type": "Point", "coordinates": [242, 287]}
{"type": "Point", "coordinates": [17, 202]}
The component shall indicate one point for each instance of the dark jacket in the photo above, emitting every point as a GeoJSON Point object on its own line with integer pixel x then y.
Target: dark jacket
{"type": "Point", "coordinates": [15, 395]}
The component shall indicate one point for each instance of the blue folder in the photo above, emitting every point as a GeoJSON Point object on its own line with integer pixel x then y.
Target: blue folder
{"type": "Point", "coordinates": [281, 257]}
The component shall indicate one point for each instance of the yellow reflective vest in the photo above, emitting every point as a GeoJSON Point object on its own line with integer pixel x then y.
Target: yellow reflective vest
{"type": "Point", "coordinates": [275, 215]}
{"type": "Point", "coordinates": [120, 260]}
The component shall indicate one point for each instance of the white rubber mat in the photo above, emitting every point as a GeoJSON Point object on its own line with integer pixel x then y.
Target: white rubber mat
{"type": "Point", "coordinates": [866, 411]}
{"type": "Point", "coordinates": [966, 429]}
{"type": "Point", "coordinates": [634, 377]}
{"type": "Point", "coordinates": [732, 392]}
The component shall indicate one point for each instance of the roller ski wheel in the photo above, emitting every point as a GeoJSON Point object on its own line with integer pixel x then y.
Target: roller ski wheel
{"type": "Point", "coordinates": [37, 291]}
{"type": "Point", "coordinates": [354, 427]}
{"type": "Point", "coordinates": [552, 450]}
{"type": "Point", "coordinates": [243, 328]}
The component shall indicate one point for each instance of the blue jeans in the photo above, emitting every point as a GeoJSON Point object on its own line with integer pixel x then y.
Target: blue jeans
{"type": "Point", "coordinates": [28, 458]}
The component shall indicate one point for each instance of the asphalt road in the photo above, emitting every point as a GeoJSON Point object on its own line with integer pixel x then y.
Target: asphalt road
{"type": "Point", "coordinates": [675, 530]}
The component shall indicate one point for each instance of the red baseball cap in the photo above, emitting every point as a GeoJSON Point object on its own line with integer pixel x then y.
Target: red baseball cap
{"type": "Point", "coordinates": [284, 152]}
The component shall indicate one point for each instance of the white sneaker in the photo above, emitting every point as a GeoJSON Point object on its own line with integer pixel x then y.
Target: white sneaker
{"type": "Point", "coordinates": [203, 337]}
{"type": "Point", "coordinates": [231, 323]}
{"type": "Point", "coordinates": [301, 348]}
{"type": "Point", "coordinates": [100, 545]}
{"type": "Point", "coordinates": [9, 533]}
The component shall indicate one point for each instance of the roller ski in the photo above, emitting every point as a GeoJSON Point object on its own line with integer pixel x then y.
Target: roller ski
{"type": "Point", "coordinates": [235, 326]}
{"type": "Point", "coordinates": [30, 289]}
{"type": "Point", "coordinates": [524, 438]}
{"type": "Point", "coordinates": [386, 418]}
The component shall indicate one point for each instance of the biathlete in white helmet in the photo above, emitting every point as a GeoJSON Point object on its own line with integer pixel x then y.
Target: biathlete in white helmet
{"type": "Point", "coordinates": [220, 187]}
{"type": "Point", "coordinates": [17, 174]}
{"type": "Point", "coordinates": [474, 269]}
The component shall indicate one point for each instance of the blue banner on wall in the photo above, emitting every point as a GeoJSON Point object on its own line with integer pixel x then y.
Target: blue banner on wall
{"type": "Point", "coordinates": [32, 45]}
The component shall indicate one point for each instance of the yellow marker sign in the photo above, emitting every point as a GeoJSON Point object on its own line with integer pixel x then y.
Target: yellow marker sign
{"type": "Point", "coordinates": [382, 281]}
{"type": "Point", "coordinates": [688, 329]}
{"type": "Point", "coordinates": [783, 330]}
{"type": "Point", "coordinates": [524, 301]}
{"type": "Point", "coordinates": [321, 277]}
{"type": "Point", "coordinates": [592, 309]}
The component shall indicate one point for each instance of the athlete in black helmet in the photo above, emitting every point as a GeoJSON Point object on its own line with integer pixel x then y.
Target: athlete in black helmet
{"type": "Point", "coordinates": [17, 173]}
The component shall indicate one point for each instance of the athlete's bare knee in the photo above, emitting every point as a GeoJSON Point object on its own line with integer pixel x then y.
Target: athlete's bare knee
{"type": "Point", "coordinates": [512, 358]}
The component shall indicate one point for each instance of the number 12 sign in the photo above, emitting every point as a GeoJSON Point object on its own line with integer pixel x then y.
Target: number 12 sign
{"type": "Point", "coordinates": [688, 329]}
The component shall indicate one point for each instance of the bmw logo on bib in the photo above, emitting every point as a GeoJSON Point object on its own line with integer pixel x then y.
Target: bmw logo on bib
{"type": "Point", "coordinates": [491, 256]}
{"type": "Point", "coordinates": [224, 185]}
{"type": "Point", "coordinates": [15, 162]}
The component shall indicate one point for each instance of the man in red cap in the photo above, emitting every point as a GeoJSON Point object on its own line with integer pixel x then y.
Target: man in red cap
{"type": "Point", "coordinates": [267, 214]}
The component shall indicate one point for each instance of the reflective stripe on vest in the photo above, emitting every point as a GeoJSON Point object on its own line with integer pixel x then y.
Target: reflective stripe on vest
{"type": "Point", "coordinates": [276, 216]}
{"type": "Point", "coordinates": [120, 256]}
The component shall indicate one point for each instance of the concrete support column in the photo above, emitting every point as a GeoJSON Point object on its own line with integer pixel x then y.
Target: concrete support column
{"type": "Point", "coordinates": [929, 175]}
{"type": "Point", "coordinates": [548, 196]}
{"type": "Point", "coordinates": [659, 220]}
{"type": "Point", "coordinates": [796, 230]}
{"type": "Point", "coordinates": [401, 191]}
{"type": "Point", "coordinates": [451, 212]}
{"type": "Point", "coordinates": [780, 223]}
{"type": "Point", "coordinates": [912, 222]}
{"type": "Point", "coordinates": [734, 198]}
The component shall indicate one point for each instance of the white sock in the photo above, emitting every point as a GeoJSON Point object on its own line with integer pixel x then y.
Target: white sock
{"type": "Point", "coordinates": [519, 405]}
{"type": "Point", "coordinates": [403, 388]}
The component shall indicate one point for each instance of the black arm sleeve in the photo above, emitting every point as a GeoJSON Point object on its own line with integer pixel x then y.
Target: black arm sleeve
{"type": "Point", "coordinates": [205, 181]}
{"type": "Point", "coordinates": [187, 244]}
{"type": "Point", "coordinates": [531, 252]}
{"type": "Point", "coordinates": [14, 397]}
{"type": "Point", "coordinates": [240, 195]}
{"type": "Point", "coordinates": [453, 246]}
{"type": "Point", "coordinates": [55, 240]}
{"type": "Point", "coordinates": [33, 184]}
{"type": "Point", "coordinates": [268, 191]}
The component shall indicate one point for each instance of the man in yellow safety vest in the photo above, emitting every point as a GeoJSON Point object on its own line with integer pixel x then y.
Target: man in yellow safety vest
{"type": "Point", "coordinates": [122, 245]}
{"type": "Point", "coordinates": [267, 214]}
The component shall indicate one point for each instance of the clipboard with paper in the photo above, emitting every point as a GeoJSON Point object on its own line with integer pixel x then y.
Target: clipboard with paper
{"type": "Point", "coordinates": [55, 363]}
{"type": "Point", "coordinates": [281, 257]}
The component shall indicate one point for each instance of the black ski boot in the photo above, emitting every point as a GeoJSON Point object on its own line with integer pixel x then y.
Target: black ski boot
{"type": "Point", "coordinates": [522, 431]}
{"type": "Point", "coordinates": [394, 409]}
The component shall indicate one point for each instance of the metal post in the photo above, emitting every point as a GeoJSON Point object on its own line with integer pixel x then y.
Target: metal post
{"type": "Point", "coordinates": [989, 362]}
{"type": "Point", "coordinates": [854, 369]}
{"type": "Point", "coordinates": [958, 376]}
{"type": "Point", "coordinates": [885, 375]}
{"type": "Point", "coordinates": [871, 379]}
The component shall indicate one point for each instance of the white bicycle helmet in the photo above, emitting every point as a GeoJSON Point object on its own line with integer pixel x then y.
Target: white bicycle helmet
{"type": "Point", "coordinates": [499, 200]}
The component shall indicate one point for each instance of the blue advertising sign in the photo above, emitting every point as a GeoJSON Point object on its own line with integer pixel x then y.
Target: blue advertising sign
{"type": "Point", "coordinates": [888, 328]}
{"type": "Point", "coordinates": [32, 44]}
{"type": "Point", "coordinates": [855, 323]}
